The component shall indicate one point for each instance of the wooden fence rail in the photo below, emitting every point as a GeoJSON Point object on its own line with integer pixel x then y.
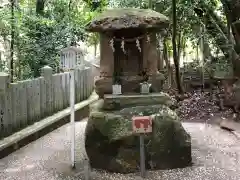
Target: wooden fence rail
{"type": "Point", "coordinates": [26, 102]}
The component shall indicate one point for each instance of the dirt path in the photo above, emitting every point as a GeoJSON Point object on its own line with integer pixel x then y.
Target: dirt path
{"type": "Point", "coordinates": [215, 152]}
{"type": "Point", "coordinates": [215, 155]}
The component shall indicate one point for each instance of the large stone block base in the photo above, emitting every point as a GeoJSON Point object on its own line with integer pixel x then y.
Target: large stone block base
{"type": "Point", "coordinates": [111, 145]}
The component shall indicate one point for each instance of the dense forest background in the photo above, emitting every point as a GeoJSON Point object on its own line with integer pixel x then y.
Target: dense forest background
{"type": "Point", "coordinates": [32, 32]}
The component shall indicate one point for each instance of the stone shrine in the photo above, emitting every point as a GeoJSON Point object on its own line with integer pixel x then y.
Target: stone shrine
{"type": "Point", "coordinates": [128, 59]}
{"type": "Point", "coordinates": [128, 49]}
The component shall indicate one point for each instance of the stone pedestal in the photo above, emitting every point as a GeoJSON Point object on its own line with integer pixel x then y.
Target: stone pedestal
{"type": "Point", "coordinates": [103, 85]}
{"type": "Point", "coordinates": [117, 147]}
{"type": "Point", "coordinates": [112, 102]}
{"type": "Point", "coordinates": [130, 84]}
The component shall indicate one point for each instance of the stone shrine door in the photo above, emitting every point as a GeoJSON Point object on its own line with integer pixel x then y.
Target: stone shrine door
{"type": "Point", "coordinates": [130, 62]}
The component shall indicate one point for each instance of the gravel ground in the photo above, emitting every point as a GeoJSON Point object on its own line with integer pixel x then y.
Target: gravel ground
{"type": "Point", "coordinates": [215, 154]}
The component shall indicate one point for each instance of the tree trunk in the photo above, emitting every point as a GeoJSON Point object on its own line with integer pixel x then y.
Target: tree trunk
{"type": "Point", "coordinates": [218, 30]}
{"type": "Point", "coordinates": [166, 59]}
{"type": "Point", "coordinates": [12, 40]}
{"type": "Point", "coordinates": [95, 49]}
{"type": "Point", "coordinates": [184, 52]}
{"type": "Point", "coordinates": [40, 7]}
{"type": "Point", "coordinates": [232, 12]}
{"type": "Point", "coordinates": [175, 55]}
{"type": "Point", "coordinates": [150, 4]}
{"type": "Point", "coordinates": [179, 46]}
{"type": "Point", "coordinates": [1, 62]}
{"type": "Point", "coordinates": [197, 53]}
{"type": "Point", "coordinates": [213, 27]}
{"type": "Point", "coordinates": [206, 50]}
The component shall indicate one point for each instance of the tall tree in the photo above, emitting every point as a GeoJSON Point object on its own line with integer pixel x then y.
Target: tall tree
{"type": "Point", "coordinates": [217, 28]}
{"type": "Point", "coordinates": [40, 6]}
{"type": "Point", "coordinates": [175, 55]}
{"type": "Point", "coordinates": [12, 39]}
{"type": "Point", "coordinates": [150, 4]}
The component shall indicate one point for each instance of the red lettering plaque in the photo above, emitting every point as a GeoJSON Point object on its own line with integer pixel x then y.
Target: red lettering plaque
{"type": "Point", "coordinates": [142, 124]}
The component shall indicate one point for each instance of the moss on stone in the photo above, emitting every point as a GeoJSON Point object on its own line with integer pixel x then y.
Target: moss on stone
{"type": "Point", "coordinates": [110, 135]}
{"type": "Point", "coordinates": [118, 18]}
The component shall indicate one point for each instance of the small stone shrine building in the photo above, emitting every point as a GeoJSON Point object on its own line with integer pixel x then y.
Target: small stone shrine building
{"type": "Point", "coordinates": [128, 49]}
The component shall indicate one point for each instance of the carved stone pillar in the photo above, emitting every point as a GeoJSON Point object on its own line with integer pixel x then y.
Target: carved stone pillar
{"type": "Point", "coordinates": [145, 46]}
{"type": "Point", "coordinates": [150, 62]}
{"type": "Point", "coordinates": [103, 84]}
{"type": "Point", "coordinates": [106, 56]}
{"type": "Point", "coordinates": [150, 54]}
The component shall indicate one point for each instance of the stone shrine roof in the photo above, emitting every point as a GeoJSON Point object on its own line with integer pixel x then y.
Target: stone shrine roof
{"type": "Point", "coordinates": [116, 19]}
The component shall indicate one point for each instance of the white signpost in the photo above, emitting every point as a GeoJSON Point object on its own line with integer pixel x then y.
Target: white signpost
{"type": "Point", "coordinates": [142, 125]}
{"type": "Point", "coordinates": [70, 60]}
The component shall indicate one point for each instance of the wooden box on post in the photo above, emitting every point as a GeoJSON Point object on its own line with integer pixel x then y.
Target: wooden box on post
{"type": "Point", "coordinates": [71, 58]}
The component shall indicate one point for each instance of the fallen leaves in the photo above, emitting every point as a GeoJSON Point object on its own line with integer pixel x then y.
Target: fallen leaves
{"type": "Point", "coordinates": [200, 107]}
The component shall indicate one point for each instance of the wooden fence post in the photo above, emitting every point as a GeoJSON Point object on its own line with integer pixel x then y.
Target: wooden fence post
{"type": "Point", "coordinates": [47, 74]}
{"type": "Point", "coordinates": [5, 114]}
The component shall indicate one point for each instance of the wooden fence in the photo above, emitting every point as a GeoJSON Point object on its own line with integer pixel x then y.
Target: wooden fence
{"type": "Point", "coordinates": [26, 102]}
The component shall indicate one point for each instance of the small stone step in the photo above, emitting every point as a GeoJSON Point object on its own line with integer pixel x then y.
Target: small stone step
{"type": "Point", "coordinates": [119, 101]}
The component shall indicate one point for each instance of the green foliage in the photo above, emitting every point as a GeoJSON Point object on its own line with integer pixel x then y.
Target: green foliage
{"type": "Point", "coordinates": [39, 38]}
{"type": "Point", "coordinates": [129, 3]}
{"type": "Point", "coordinates": [222, 68]}
{"type": "Point", "coordinates": [96, 6]}
{"type": "Point", "coordinates": [4, 22]}
{"type": "Point", "coordinates": [93, 39]}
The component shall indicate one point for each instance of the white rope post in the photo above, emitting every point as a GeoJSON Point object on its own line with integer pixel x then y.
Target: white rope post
{"type": "Point", "coordinates": [72, 107]}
